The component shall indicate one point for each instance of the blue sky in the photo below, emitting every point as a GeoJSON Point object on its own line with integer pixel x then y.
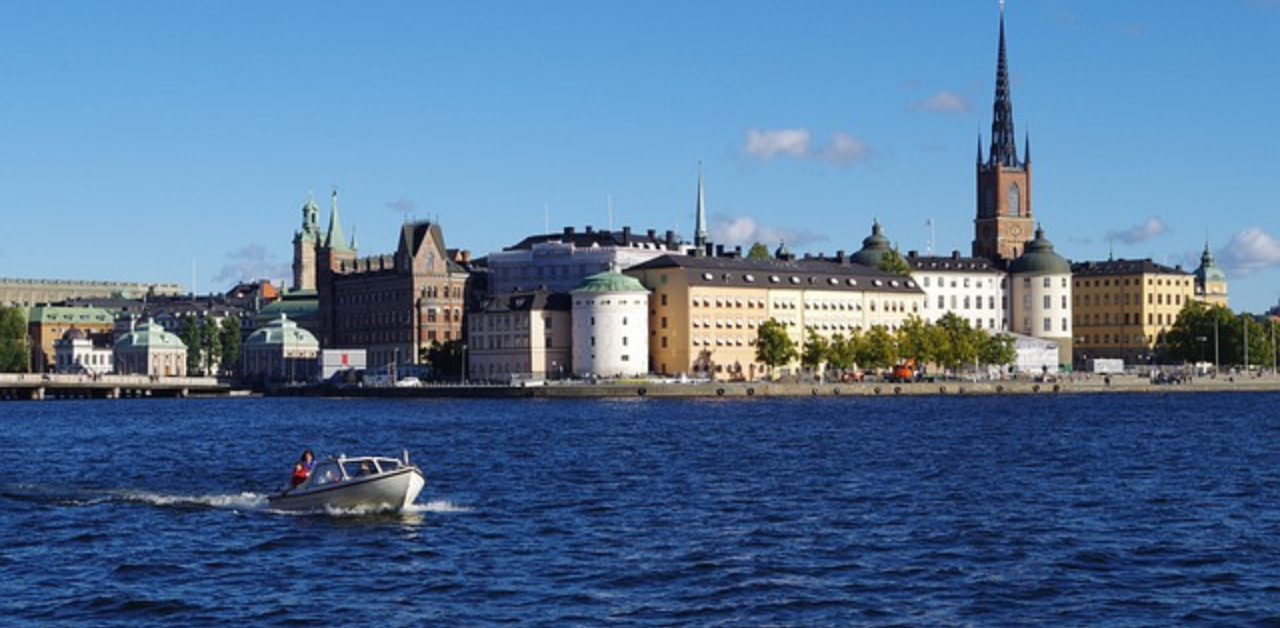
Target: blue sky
{"type": "Point", "coordinates": [161, 141]}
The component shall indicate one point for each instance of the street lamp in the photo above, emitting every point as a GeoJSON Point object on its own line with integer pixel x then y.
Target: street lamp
{"type": "Point", "coordinates": [463, 375]}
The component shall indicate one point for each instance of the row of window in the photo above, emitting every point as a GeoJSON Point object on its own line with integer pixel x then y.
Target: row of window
{"type": "Point", "coordinates": [967, 282]}
{"type": "Point", "coordinates": [1046, 325]}
{"type": "Point", "coordinates": [1151, 281]}
{"type": "Point", "coordinates": [974, 303]}
{"type": "Point", "coordinates": [795, 280]}
{"type": "Point", "coordinates": [1119, 339]}
{"type": "Point", "coordinates": [1129, 318]}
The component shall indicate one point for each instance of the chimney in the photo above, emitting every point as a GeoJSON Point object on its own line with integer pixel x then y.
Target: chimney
{"type": "Point", "coordinates": [912, 254]}
{"type": "Point", "coordinates": [589, 229]}
{"type": "Point", "coordinates": [568, 231]}
{"type": "Point", "coordinates": [840, 257]}
{"type": "Point", "coordinates": [719, 250]}
{"type": "Point", "coordinates": [737, 251]}
{"type": "Point", "coordinates": [955, 254]}
{"type": "Point", "coordinates": [671, 240]}
{"type": "Point", "coordinates": [626, 236]}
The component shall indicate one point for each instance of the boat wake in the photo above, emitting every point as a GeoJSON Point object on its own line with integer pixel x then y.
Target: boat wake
{"type": "Point", "coordinates": [240, 502]}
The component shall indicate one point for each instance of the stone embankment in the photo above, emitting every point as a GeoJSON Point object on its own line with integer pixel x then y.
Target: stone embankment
{"type": "Point", "coordinates": [670, 389]}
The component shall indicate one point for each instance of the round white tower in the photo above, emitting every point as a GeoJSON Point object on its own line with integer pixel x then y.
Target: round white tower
{"type": "Point", "coordinates": [610, 326]}
{"type": "Point", "coordinates": [1040, 295]}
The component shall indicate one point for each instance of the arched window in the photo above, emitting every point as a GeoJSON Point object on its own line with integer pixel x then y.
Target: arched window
{"type": "Point", "coordinates": [1015, 200]}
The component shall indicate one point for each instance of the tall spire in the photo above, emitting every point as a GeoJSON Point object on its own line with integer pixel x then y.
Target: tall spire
{"type": "Point", "coordinates": [335, 239]}
{"type": "Point", "coordinates": [700, 231]}
{"type": "Point", "coordinates": [1004, 144]}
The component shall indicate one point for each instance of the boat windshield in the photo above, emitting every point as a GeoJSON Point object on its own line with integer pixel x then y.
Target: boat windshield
{"type": "Point", "coordinates": [327, 472]}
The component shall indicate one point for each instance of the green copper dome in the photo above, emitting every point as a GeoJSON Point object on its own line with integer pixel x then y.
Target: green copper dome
{"type": "Point", "coordinates": [873, 247]}
{"type": "Point", "coordinates": [1040, 258]}
{"type": "Point", "coordinates": [282, 331]}
{"type": "Point", "coordinates": [150, 335]}
{"type": "Point", "coordinates": [1209, 271]}
{"type": "Point", "coordinates": [610, 281]}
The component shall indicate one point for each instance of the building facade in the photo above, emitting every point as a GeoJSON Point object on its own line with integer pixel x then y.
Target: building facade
{"type": "Point", "coordinates": [394, 306]}
{"type": "Point", "coordinates": [705, 311]}
{"type": "Point", "coordinates": [559, 262]}
{"type": "Point", "coordinates": [281, 351]}
{"type": "Point", "coordinates": [35, 292]}
{"type": "Point", "coordinates": [970, 287]}
{"type": "Point", "coordinates": [1040, 296]}
{"type": "Point", "coordinates": [610, 326]}
{"type": "Point", "coordinates": [1123, 308]}
{"type": "Point", "coordinates": [150, 350]}
{"type": "Point", "coordinates": [520, 336]}
{"type": "Point", "coordinates": [76, 353]}
{"type": "Point", "coordinates": [47, 324]}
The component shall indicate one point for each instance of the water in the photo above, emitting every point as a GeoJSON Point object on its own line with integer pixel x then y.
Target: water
{"type": "Point", "coordinates": [1110, 510]}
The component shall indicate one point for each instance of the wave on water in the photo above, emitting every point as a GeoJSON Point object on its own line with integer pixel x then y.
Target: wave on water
{"type": "Point", "coordinates": [236, 501]}
{"type": "Point", "coordinates": [438, 505]}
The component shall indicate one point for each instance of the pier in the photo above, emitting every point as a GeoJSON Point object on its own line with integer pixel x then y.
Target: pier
{"type": "Point", "coordinates": [36, 386]}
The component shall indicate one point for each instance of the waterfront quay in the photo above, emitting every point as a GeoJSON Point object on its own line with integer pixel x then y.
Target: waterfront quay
{"type": "Point", "coordinates": [36, 386]}
{"type": "Point", "coordinates": [672, 389]}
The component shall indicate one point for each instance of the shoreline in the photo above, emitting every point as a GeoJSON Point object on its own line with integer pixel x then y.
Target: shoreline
{"type": "Point", "coordinates": [1116, 384]}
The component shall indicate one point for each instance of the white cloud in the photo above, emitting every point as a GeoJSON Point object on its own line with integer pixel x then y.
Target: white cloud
{"type": "Point", "coordinates": [1147, 230]}
{"type": "Point", "coordinates": [945, 101]}
{"type": "Point", "coordinates": [250, 262]}
{"type": "Point", "coordinates": [843, 148]}
{"type": "Point", "coordinates": [745, 231]}
{"type": "Point", "coordinates": [765, 145]}
{"type": "Point", "coordinates": [1250, 251]}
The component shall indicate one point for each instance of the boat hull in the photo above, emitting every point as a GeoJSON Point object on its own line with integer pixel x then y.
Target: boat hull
{"type": "Point", "coordinates": [392, 491]}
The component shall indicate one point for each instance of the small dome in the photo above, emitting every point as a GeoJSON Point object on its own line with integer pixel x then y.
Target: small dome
{"type": "Point", "coordinates": [149, 335]}
{"type": "Point", "coordinates": [75, 333]}
{"type": "Point", "coordinates": [610, 281]}
{"type": "Point", "coordinates": [1208, 272]}
{"type": "Point", "coordinates": [282, 331]}
{"type": "Point", "coordinates": [873, 247]}
{"type": "Point", "coordinates": [1040, 258]}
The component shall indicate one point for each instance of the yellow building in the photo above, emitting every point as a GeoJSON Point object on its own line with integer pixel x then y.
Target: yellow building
{"type": "Point", "coordinates": [705, 311]}
{"type": "Point", "coordinates": [1122, 308]}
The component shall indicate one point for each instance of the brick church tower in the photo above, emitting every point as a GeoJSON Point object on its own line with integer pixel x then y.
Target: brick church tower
{"type": "Point", "coordinates": [1004, 220]}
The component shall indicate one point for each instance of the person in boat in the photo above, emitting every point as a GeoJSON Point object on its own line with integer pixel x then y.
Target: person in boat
{"type": "Point", "coordinates": [302, 468]}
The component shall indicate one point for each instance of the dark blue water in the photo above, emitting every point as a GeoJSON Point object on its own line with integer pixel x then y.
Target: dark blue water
{"type": "Point", "coordinates": [1116, 510]}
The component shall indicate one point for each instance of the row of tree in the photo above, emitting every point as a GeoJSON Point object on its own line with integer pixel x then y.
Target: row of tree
{"type": "Point", "coordinates": [1214, 334]}
{"type": "Point", "coordinates": [951, 342]}
{"type": "Point", "coordinates": [212, 347]}
{"type": "Point", "coordinates": [14, 350]}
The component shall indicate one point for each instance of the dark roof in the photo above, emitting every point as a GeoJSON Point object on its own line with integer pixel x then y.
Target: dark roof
{"type": "Point", "coordinates": [953, 262]}
{"type": "Point", "coordinates": [527, 301]}
{"type": "Point", "coordinates": [826, 273]}
{"type": "Point", "coordinates": [591, 237]}
{"type": "Point", "coordinates": [1124, 267]}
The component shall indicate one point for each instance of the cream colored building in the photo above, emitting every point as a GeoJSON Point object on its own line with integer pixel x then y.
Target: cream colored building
{"type": "Point", "coordinates": [1040, 295]}
{"type": "Point", "coordinates": [150, 350]}
{"type": "Point", "coordinates": [520, 336]}
{"type": "Point", "coordinates": [1124, 307]}
{"type": "Point", "coordinates": [705, 311]}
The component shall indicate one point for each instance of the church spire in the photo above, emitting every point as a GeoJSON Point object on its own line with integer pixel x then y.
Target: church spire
{"type": "Point", "coordinates": [335, 239]}
{"type": "Point", "coordinates": [700, 230]}
{"type": "Point", "coordinates": [1004, 143]}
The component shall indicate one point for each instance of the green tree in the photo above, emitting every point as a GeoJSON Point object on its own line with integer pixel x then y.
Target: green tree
{"type": "Point", "coordinates": [879, 350]}
{"type": "Point", "coordinates": [917, 339]}
{"type": "Point", "coordinates": [13, 340]}
{"type": "Point", "coordinates": [192, 336]}
{"type": "Point", "coordinates": [892, 262]}
{"type": "Point", "coordinates": [963, 341]}
{"type": "Point", "coordinates": [774, 346]}
{"type": "Point", "coordinates": [843, 352]}
{"type": "Point", "coordinates": [815, 352]}
{"type": "Point", "coordinates": [211, 334]}
{"type": "Point", "coordinates": [232, 344]}
{"type": "Point", "coordinates": [446, 360]}
{"type": "Point", "coordinates": [759, 251]}
{"type": "Point", "coordinates": [998, 350]}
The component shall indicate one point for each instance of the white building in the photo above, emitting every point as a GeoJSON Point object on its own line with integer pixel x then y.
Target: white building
{"type": "Point", "coordinates": [1040, 295]}
{"type": "Point", "coordinates": [559, 262]}
{"type": "Point", "coordinates": [75, 353]}
{"type": "Point", "coordinates": [972, 288]}
{"type": "Point", "coordinates": [610, 326]}
{"type": "Point", "coordinates": [519, 336]}
{"type": "Point", "coordinates": [150, 350]}
{"type": "Point", "coordinates": [281, 351]}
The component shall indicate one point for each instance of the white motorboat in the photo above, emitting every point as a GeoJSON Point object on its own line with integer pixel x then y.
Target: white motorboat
{"type": "Point", "coordinates": [363, 483]}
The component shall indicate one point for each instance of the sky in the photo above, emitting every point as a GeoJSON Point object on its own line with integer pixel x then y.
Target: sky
{"type": "Point", "coordinates": [162, 141]}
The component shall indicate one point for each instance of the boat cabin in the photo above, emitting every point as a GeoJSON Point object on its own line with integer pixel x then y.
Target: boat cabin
{"type": "Point", "coordinates": [341, 469]}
